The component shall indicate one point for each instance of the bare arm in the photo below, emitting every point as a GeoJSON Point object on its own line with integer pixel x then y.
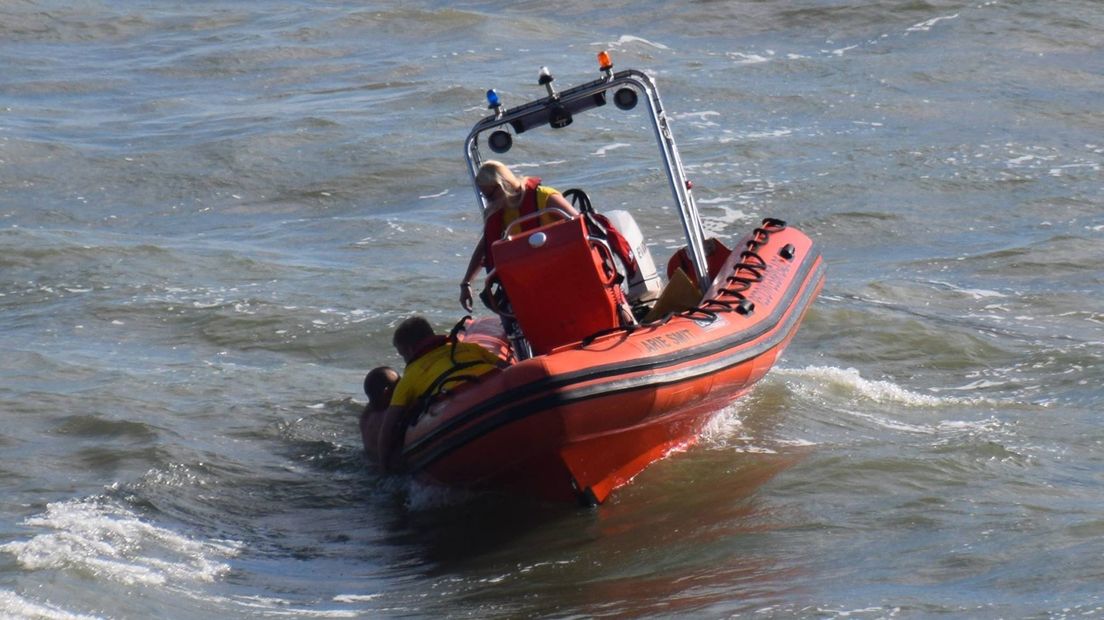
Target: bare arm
{"type": "Point", "coordinates": [369, 433]}
{"type": "Point", "coordinates": [390, 437]}
{"type": "Point", "coordinates": [476, 261]}
{"type": "Point", "coordinates": [558, 201]}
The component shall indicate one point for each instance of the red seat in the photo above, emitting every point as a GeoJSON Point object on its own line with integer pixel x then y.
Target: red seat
{"type": "Point", "coordinates": [557, 283]}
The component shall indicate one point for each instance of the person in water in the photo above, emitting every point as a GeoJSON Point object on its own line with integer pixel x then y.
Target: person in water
{"type": "Point", "coordinates": [379, 384]}
{"type": "Point", "coordinates": [508, 197]}
{"type": "Point", "coordinates": [431, 359]}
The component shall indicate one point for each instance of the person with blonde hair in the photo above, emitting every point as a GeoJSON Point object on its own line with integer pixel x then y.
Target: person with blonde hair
{"type": "Point", "coordinates": [508, 197]}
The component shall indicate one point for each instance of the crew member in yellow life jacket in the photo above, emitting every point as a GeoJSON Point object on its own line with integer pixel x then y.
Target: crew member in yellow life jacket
{"type": "Point", "coordinates": [431, 361]}
{"type": "Point", "coordinates": [508, 198]}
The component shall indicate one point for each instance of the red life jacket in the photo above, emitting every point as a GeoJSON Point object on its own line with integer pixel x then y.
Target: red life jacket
{"type": "Point", "coordinates": [617, 243]}
{"type": "Point", "coordinates": [495, 226]}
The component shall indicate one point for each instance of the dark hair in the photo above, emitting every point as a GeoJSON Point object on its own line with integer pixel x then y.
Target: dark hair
{"type": "Point", "coordinates": [376, 384]}
{"type": "Point", "coordinates": [412, 331]}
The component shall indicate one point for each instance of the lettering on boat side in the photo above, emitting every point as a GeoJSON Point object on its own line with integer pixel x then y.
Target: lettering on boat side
{"type": "Point", "coordinates": [666, 341]}
{"type": "Point", "coordinates": [774, 280]}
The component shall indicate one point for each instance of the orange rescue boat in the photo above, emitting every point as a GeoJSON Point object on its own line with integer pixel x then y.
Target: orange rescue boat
{"type": "Point", "coordinates": [606, 369]}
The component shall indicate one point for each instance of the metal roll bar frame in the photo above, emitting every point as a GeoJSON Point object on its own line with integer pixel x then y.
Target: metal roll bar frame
{"type": "Point", "coordinates": [550, 111]}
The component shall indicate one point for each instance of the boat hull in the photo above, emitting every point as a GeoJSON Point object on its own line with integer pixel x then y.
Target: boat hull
{"type": "Point", "coordinates": [586, 418]}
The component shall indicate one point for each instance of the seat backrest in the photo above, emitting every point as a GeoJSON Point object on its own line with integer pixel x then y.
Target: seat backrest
{"type": "Point", "coordinates": [558, 284]}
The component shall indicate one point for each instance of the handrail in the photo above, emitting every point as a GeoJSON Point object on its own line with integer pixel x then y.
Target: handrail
{"type": "Point", "coordinates": [564, 216]}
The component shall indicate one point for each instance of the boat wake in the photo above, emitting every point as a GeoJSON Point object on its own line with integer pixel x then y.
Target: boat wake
{"type": "Point", "coordinates": [832, 384]}
{"type": "Point", "coordinates": [847, 399]}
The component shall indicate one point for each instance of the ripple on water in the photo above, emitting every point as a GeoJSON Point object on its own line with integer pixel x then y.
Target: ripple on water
{"type": "Point", "coordinates": [96, 426]}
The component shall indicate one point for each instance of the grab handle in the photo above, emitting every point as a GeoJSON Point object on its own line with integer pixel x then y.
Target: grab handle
{"type": "Point", "coordinates": [563, 215]}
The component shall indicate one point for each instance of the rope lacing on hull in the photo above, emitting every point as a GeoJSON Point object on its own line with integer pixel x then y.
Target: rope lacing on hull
{"type": "Point", "coordinates": [748, 271]}
{"type": "Point", "coordinates": [730, 297]}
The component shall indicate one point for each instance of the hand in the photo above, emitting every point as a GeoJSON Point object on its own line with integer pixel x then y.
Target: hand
{"type": "Point", "coordinates": [466, 296]}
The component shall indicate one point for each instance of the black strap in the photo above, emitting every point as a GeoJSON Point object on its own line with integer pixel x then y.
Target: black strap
{"type": "Point", "coordinates": [426, 399]}
{"type": "Point", "coordinates": [579, 200]}
{"type": "Point", "coordinates": [430, 395]}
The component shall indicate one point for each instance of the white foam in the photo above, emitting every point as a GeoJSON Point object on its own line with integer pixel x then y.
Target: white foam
{"type": "Point", "coordinates": [976, 293]}
{"type": "Point", "coordinates": [864, 392]}
{"type": "Point", "coordinates": [895, 425]}
{"type": "Point", "coordinates": [927, 25]}
{"type": "Point", "coordinates": [702, 116]}
{"type": "Point", "coordinates": [944, 428]}
{"type": "Point", "coordinates": [355, 598]}
{"type": "Point", "coordinates": [878, 391]}
{"type": "Point", "coordinates": [726, 430]}
{"type": "Point", "coordinates": [980, 293]}
{"type": "Point", "coordinates": [113, 543]}
{"type": "Point", "coordinates": [724, 424]}
{"type": "Point", "coordinates": [14, 606]}
{"type": "Point", "coordinates": [269, 606]}
{"type": "Point", "coordinates": [628, 38]}
{"type": "Point", "coordinates": [749, 59]}
{"type": "Point", "coordinates": [843, 50]}
{"type": "Point", "coordinates": [756, 135]}
{"type": "Point", "coordinates": [885, 392]}
{"type": "Point", "coordinates": [719, 224]}
{"type": "Point", "coordinates": [610, 147]}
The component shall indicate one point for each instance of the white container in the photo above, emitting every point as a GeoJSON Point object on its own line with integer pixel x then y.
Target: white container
{"type": "Point", "coordinates": [645, 285]}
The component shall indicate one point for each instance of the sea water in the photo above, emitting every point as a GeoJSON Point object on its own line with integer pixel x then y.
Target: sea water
{"type": "Point", "coordinates": [212, 216]}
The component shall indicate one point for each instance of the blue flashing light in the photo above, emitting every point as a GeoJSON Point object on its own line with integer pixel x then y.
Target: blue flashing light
{"type": "Point", "coordinates": [492, 99]}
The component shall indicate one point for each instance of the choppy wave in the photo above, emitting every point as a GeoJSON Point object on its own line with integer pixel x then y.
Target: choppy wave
{"type": "Point", "coordinates": [108, 542]}
{"type": "Point", "coordinates": [830, 383]}
{"type": "Point", "coordinates": [14, 606]}
{"type": "Point", "coordinates": [214, 214]}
